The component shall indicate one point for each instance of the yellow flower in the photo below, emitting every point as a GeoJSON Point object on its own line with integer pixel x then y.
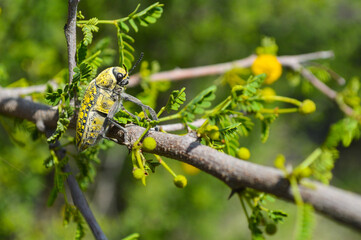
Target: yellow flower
{"type": "Point", "coordinates": [268, 64]}
{"type": "Point", "coordinates": [189, 169]}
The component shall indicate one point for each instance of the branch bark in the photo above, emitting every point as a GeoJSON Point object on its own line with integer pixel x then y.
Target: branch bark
{"type": "Point", "coordinates": [186, 73]}
{"type": "Point", "coordinates": [77, 195]}
{"type": "Point", "coordinates": [290, 61]}
{"type": "Point", "coordinates": [338, 204]}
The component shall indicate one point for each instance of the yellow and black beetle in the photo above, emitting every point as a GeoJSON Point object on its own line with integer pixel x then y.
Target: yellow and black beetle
{"type": "Point", "coordinates": [102, 100]}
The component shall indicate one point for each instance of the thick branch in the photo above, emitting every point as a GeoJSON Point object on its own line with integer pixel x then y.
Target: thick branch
{"type": "Point", "coordinates": [335, 203]}
{"type": "Point", "coordinates": [338, 204]}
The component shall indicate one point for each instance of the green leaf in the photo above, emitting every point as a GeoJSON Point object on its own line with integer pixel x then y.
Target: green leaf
{"type": "Point", "coordinates": [253, 84]}
{"type": "Point", "coordinates": [323, 165]}
{"type": "Point", "coordinates": [133, 236]}
{"type": "Point", "coordinates": [81, 52]}
{"type": "Point", "coordinates": [277, 216]}
{"type": "Point", "coordinates": [53, 98]}
{"type": "Point", "coordinates": [79, 15]}
{"type": "Point", "coordinates": [80, 231]}
{"type": "Point", "coordinates": [88, 28]}
{"type": "Point", "coordinates": [306, 222]}
{"type": "Point", "coordinates": [143, 18]}
{"type": "Point", "coordinates": [123, 26]}
{"type": "Point", "coordinates": [125, 49]}
{"type": "Point", "coordinates": [52, 197]}
{"type": "Point", "coordinates": [61, 126]}
{"type": "Point", "coordinates": [230, 130]}
{"type": "Point", "coordinates": [176, 98]}
{"type": "Point", "coordinates": [199, 103]}
{"type": "Point", "coordinates": [266, 125]}
{"type": "Point", "coordinates": [345, 131]}
{"type": "Point", "coordinates": [134, 26]}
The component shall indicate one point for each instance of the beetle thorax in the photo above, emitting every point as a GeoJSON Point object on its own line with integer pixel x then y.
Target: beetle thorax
{"type": "Point", "coordinates": [106, 79]}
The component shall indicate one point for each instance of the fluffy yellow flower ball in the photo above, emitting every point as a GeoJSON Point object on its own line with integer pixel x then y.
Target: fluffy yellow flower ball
{"type": "Point", "coordinates": [268, 64]}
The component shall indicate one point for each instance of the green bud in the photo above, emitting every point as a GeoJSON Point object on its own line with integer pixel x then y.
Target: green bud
{"type": "Point", "coordinates": [244, 153]}
{"type": "Point", "coordinates": [180, 181]}
{"type": "Point", "coordinates": [138, 173]}
{"type": "Point", "coordinates": [307, 107]}
{"type": "Point", "coordinates": [149, 144]}
{"type": "Point", "coordinates": [271, 228]}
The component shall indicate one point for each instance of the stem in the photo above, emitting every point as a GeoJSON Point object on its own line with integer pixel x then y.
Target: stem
{"type": "Point", "coordinates": [203, 125]}
{"type": "Point", "coordinates": [282, 99]}
{"type": "Point", "coordinates": [276, 110]}
{"type": "Point", "coordinates": [222, 105]}
{"type": "Point", "coordinates": [160, 111]}
{"type": "Point", "coordinates": [165, 165]}
{"type": "Point", "coordinates": [243, 206]}
{"type": "Point", "coordinates": [105, 21]}
{"type": "Point", "coordinates": [140, 163]}
{"type": "Point", "coordinates": [136, 143]}
{"type": "Point", "coordinates": [295, 190]}
{"type": "Point", "coordinates": [170, 117]}
{"type": "Point", "coordinates": [310, 159]}
{"type": "Point", "coordinates": [77, 195]}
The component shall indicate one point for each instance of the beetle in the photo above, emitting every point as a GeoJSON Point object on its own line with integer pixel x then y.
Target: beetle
{"type": "Point", "coordinates": [102, 100]}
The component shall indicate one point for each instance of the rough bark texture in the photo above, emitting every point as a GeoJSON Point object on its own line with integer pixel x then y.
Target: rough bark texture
{"type": "Point", "coordinates": [336, 203]}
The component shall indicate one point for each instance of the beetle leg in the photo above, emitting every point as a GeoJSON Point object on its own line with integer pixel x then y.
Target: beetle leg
{"type": "Point", "coordinates": [130, 114]}
{"type": "Point", "coordinates": [130, 98]}
{"type": "Point", "coordinates": [108, 121]}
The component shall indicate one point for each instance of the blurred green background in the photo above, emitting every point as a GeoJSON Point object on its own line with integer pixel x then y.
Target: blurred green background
{"type": "Point", "coordinates": [190, 33]}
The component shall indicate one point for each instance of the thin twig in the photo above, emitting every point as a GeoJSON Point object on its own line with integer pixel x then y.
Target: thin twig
{"type": "Point", "coordinates": [70, 34]}
{"type": "Point", "coordinates": [76, 193]}
{"type": "Point", "coordinates": [330, 93]}
{"type": "Point", "coordinates": [180, 126]}
{"type": "Point", "coordinates": [186, 73]}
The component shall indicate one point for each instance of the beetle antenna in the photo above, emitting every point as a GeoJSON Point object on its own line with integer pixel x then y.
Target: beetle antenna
{"type": "Point", "coordinates": [140, 59]}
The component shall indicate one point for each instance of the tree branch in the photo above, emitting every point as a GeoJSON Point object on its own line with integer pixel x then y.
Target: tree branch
{"type": "Point", "coordinates": [338, 204]}
{"type": "Point", "coordinates": [77, 195]}
{"type": "Point", "coordinates": [186, 73]}
{"type": "Point", "coordinates": [70, 34]}
{"type": "Point", "coordinates": [293, 62]}
{"type": "Point", "coordinates": [335, 203]}
{"type": "Point", "coordinates": [330, 93]}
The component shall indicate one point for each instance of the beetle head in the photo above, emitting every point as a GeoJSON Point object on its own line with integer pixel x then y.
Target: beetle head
{"type": "Point", "coordinates": [121, 76]}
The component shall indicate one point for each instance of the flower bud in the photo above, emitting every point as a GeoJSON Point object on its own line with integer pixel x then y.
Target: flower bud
{"type": "Point", "coordinates": [149, 144]}
{"type": "Point", "coordinates": [307, 107]}
{"type": "Point", "coordinates": [180, 181]}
